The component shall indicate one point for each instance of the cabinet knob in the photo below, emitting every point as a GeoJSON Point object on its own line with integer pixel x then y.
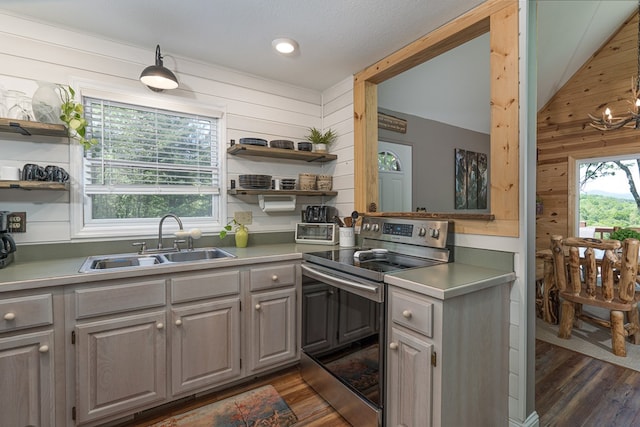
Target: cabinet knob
{"type": "Point", "coordinates": [160, 325]}
{"type": "Point", "coordinates": [258, 306]}
{"type": "Point", "coordinates": [393, 345]}
{"type": "Point", "coordinates": [407, 314]}
{"type": "Point", "coordinates": [178, 322]}
{"type": "Point", "coordinates": [274, 277]}
{"type": "Point", "coordinates": [9, 316]}
{"type": "Point", "coordinates": [43, 348]}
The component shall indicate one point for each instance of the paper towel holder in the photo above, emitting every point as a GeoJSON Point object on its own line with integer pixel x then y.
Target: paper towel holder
{"type": "Point", "coordinates": [277, 203]}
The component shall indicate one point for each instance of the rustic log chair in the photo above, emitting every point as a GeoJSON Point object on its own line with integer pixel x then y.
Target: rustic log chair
{"type": "Point", "coordinates": [608, 282]}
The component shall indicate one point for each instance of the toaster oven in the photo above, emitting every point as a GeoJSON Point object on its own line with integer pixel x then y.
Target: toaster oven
{"type": "Point", "coordinates": [317, 233]}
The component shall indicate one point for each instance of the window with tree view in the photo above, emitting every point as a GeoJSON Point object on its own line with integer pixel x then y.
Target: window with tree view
{"type": "Point", "coordinates": [609, 192]}
{"type": "Point", "coordinates": [149, 162]}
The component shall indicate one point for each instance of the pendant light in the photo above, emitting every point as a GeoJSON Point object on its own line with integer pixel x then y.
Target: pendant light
{"type": "Point", "coordinates": [157, 77]}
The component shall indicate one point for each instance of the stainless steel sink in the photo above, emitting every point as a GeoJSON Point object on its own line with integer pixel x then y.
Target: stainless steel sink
{"type": "Point", "coordinates": [108, 262]}
{"type": "Point", "coordinates": [197, 255]}
{"type": "Point", "coordinates": [132, 261]}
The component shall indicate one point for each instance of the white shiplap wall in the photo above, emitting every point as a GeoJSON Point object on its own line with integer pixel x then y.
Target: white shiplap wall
{"type": "Point", "coordinates": [253, 106]}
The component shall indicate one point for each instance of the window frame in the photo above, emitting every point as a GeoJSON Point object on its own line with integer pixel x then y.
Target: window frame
{"type": "Point", "coordinates": [133, 228]}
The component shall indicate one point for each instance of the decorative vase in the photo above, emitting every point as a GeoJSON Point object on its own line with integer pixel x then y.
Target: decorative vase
{"type": "Point", "coordinates": [242, 237]}
{"type": "Point", "coordinates": [320, 148]}
{"type": "Point", "coordinates": [46, 103]}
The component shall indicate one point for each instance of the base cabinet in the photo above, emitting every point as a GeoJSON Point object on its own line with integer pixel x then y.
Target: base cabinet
{"type": "Point", "coordinates": [447, 360]}
{"type": "Point", "coordinates": [27, 380]}
{"type": "Point", "coordinates": [272, 331]}
{"type": "Point", "coordinates": [138, 344]}
{"type": "Point", "coordinates": [31, 366]}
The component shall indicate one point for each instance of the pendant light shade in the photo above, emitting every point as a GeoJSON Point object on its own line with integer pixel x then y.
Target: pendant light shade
{"type": "Point", "coordinates": [157, 77]}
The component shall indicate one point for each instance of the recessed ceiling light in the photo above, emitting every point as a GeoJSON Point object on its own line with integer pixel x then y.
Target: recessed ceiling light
{"type": "Point", "coordinates": [285, 46]}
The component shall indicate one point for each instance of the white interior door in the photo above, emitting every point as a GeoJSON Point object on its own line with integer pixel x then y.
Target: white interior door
{"type": "Point", "coordinates": [394, 177]}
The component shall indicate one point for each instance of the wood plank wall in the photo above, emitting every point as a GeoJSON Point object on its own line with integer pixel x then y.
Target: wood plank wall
{"type": "Point", "coordinates": [564, 134]}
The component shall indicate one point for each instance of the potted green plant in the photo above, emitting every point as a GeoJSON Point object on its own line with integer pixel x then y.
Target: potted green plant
{"type": "Point", "coordinates": [72, 114]}
{"type": "Point", "coordinates": [321, 140]}
{"type": "Point", "coordinates": [624, 233]}
{"type": "Point", "coordinates": [241, 230]}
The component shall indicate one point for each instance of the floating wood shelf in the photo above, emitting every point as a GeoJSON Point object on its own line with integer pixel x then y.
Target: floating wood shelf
{"type": "Point", "coordinates": [35, 185]}
{"type": "Point", "coordinates": [243, 191]}
{"type": "Point", "coordinates": [436, 215]}
{"type": "Point", "coordinates": [280, 153]}
{"type": "Point", "coordinates": [28, 128]}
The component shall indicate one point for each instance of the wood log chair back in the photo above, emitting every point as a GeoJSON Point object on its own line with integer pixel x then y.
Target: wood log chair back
{"type": "Point", "coordinates": [594, 272]}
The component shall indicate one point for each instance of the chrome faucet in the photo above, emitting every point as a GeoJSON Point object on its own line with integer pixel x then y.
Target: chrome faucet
{"type": "Point", "coordinates": [160, 227]}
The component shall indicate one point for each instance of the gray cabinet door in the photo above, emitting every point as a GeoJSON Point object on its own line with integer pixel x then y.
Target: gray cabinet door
{"type": "Point", "coordinates": [272, 329]}
{"type": "Point", "coordinates": [205, 345]}
{"type": "Point", "coordinates": [120, 365]}
{"type": "Point", "coordinates": [27, 380]}
{"type": "Point", "coordinates": [409, 380]}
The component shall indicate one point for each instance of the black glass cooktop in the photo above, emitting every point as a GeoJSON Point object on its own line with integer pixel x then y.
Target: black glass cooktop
{"type": "Point", "coordinates": [369, 263]}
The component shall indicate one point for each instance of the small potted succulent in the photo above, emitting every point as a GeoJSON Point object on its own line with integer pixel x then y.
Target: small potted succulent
{"type": "Point", "coordinates": [241, 230]}
{"type": "Point", "coordinates": [321, 140]}
{"type": "Point", "coordinates": [72, 114]}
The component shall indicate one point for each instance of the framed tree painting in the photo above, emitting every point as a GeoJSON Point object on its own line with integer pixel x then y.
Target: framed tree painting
{"type": "Point", "coordinates": [470, 180]}
{"type": "Point", "coordinates": [461, 179]}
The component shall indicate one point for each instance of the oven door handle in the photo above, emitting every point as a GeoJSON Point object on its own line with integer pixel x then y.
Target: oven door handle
{"type": "Point", "coordinates": [348, 283]}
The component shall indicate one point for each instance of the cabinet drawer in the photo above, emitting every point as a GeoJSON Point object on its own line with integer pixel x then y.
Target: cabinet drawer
{"type": "Point", "coordinates": [116, 299]}
{"type": "Point", "coordinates": [412, 311]}
{"type": "Point", "coordinates": [273, 277]}
{"type": "Point", "coordinates": [200, 286]}
{"type": "Point", "coordinates": [26, 312]}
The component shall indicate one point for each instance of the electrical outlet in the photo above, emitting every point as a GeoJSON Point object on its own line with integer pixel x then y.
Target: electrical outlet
{"type": "Point", "coordinates": [17, 222]}
{"type": "Point", "coordinates": [243, 217]}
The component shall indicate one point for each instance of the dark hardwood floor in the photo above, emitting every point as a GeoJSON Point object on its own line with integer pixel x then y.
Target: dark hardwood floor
{"type": "Point", "coordinates": [571, 390]}
{"type": "Point", "coordinates": [576, 390]}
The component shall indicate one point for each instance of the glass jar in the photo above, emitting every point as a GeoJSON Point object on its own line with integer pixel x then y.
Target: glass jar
{"type": "Point", "coordinates": [21, 105]}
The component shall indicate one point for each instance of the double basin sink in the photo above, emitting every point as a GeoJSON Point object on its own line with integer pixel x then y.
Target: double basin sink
{"type": "Point", "coordinates": [130, 261]}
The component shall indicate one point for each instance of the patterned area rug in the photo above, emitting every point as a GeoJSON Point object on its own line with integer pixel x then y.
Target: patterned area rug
{"type": "Point", "coordinates": [593, 341]}
{"type": "Point", "coordinates": [260, 407]}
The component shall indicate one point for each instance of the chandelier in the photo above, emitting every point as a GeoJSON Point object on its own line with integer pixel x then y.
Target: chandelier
{"type": "Point", "coordinates": [632, 119]}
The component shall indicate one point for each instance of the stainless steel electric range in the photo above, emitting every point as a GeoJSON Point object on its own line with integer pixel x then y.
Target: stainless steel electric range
{"type": "Point", "coordinates": [343, 310]}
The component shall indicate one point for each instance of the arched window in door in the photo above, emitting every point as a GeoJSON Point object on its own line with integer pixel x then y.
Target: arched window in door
{"type": "Point", "coordinates": [388, 162]}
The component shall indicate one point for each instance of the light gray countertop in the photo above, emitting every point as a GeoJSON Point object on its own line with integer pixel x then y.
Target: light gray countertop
{"type": "Point", "coordinates": [439, 281]}
{"type": "Point", "coordinates": [449, 280]}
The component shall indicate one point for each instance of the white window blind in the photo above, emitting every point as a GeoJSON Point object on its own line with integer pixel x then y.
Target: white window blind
{"type": "Point", "coordinates": [149, 162]}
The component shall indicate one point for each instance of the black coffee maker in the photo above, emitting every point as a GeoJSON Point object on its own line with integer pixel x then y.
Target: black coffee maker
{"type": "Point", "coordinates": [7, 244]}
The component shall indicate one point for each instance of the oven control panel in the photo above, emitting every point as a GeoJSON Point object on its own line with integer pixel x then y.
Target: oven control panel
{"type": "Point", "coordinates": [422, 232]}
{"type": "Point", "coordinates": [395, 229]}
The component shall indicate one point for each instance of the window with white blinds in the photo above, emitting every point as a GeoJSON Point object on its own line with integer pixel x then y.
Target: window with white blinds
{"type": "Point", "coordinates": [149, 162]}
